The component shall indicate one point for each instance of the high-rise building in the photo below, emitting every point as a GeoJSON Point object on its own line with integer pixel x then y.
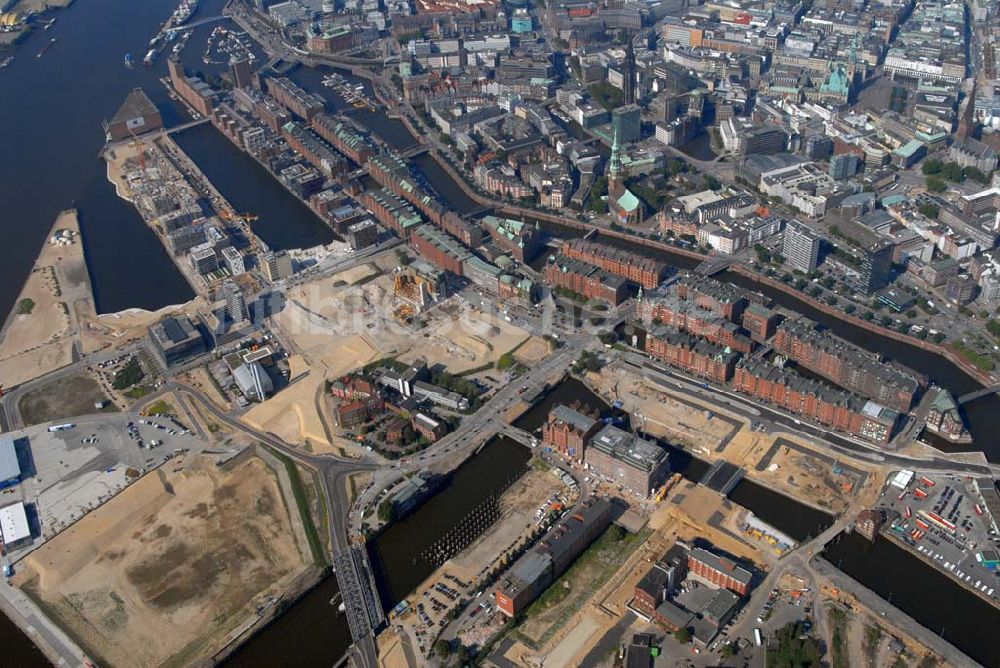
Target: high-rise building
{"type": "Point", "coordinates": [276, 265]}
{"type": "Point", "coordinates": [234, 261]}
{"type": "Point", "coordinates": [844, 166]}
{"type": "Point", "coordinates": [241, 72]}
{"type": "Point", "coordinates": [626, 121]}
{"type": "Point", "coordinates": [876, 268]}
{"type": "Point", "coordinates": [628, 75]}
{"type": "Point", "coordinates": [801, 247]}
{"type": "Point", "coordinates": [961, 289]}
{"type": "Point", "coordinates": [203, 258]}
{"type": "Point", "coordinates": [236, 303]}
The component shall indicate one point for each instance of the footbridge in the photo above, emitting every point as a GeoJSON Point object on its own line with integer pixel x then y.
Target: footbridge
{"type": "Point", "coordinates": [978, 394]}
{"type": "Point", "coordinates": [714, 265]}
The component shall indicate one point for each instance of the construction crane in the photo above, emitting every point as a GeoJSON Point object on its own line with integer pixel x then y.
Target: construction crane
{"type": "Point", "coordinates": [232, 216]}
{"type": "Point", "coordinates": [138, 144]}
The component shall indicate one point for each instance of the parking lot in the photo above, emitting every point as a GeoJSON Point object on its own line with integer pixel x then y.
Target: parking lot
{"type": "Point", "coordinates": [943, 520]}
{"type": "Point", "coordinates": [66, 473]}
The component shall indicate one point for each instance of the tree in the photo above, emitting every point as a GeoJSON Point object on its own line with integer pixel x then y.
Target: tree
{"type": "Point", "coordinates": [505, 362]}
{"type": "Point", "coordinates": [763, 255]}
{"type": "Point", "coordinates": [387, 511]}
{"type": "Point", "coordinates": [932, 167]}
{"type": "Point", "coordinates": [929, 209]}
{"type": "Point", "coordinates": [25, 306]}
{"type": "Point", "coordinates": [953, 172]}
{"type": "Point", "coordinates": [598, 191]}
{"type": "Point", "coordinates": [977, 175]}
{"type": "Point", "coordinates": [683, 635]}
{"type": "Point", "coordinates": [935, 185]}
{"type": "Point", "coordinates": [712, 183]}
{"type": "Point", "coordinates": [793, 648]}
{"type": "Point", "coordinates": [442, 647]}
{"type": "Point", "coordinates": [128, 375]}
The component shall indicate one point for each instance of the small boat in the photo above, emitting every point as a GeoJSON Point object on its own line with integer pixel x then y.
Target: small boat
{"type": "Point", "coordinates": [46, 47]}
{"type": "Point", "coordinates": [128, 60]}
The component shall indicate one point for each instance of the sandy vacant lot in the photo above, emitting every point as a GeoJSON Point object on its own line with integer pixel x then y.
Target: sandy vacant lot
{"type": "Point", "coordinates": [38, 342]}
{"type": "Point", "coordinates": [165, 570]}
{"type": "Point", "coordinates": [533, 351]}
{"type": "Point", "coordinates": [293, 414]}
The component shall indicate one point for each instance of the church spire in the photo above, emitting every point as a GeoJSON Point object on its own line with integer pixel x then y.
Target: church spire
{"type": "Point", "coordinates": [615, 167]}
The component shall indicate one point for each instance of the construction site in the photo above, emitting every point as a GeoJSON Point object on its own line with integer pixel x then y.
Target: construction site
{"type": "Point", "coordinates": [787, 463]}
{"type": "Point", "coordinates": [168, 190]}
{"type": "Point", "coordinates": [171, 568]}
{"type": "Point", "coordinates": [523, 508]}
{"type": "Point", "coordinates": [337, 324]}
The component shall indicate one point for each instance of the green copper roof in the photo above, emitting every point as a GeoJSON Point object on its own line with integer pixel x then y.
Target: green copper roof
{"type": "Point", "coordinates": [628, 202]}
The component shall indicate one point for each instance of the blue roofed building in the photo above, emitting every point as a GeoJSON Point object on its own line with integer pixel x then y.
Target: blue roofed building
{"type": "Point", "coordinates": [10, 469]}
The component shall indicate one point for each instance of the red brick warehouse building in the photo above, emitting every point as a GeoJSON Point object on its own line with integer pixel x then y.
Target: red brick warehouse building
{"type": "Point", "coordinates": [691, 354]}
{"type": "Point", "coordinates": [846, 365]}
{"type": "Point", "coordinates": [719, 571]}
{"type": "Point", "coordinates": [568, 431]}
{"type": "Point", "coordinates": [586, 279]}
{"type": "Point", "coordinates": [644, 271]}
{"type": "Point", "coordinates": [804, 396]}
{"type": "Point", "coordinates": [692, 318]}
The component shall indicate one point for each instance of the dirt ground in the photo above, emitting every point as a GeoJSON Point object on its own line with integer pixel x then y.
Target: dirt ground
{"type": "Point", "coordinates": [37, 342]}
{"type": "Point", "coordinates": [453, 333]}
{"type": "Point", "coordinates": [333, 329]}
{"type": "Point", "coordinates": [163, 572]}
{"type": "Point", "coordinates": [355, 275]}
{"type": "Point", "coordinates": [64, 398]}
{"type": "Point", "coordinates": [803, 476]}
{"type": "Point", "coordinates": [293, 414]}
{"type": "Point", "coordinates": [519, 505]}
{"type": "Point", "coordinates": [36, 6]}
{"type": "Point", "coordinates": [663, 415]}
{"type": "Point", "coordinates": [533, 351]}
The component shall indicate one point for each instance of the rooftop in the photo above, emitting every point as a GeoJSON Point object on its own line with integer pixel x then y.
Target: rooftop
{"type": "Point", "coordinates": [628, 448]}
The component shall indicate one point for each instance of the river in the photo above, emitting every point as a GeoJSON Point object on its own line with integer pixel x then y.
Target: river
{"type": "Point", "coordinates": [52, 117]}
{"type": "Point", "coordinates": [310, 633]}
{"type": "Point", "coordinates": [52, 142]}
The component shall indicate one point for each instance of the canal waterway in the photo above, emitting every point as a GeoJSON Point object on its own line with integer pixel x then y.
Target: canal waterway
{"type": "Point", "coordinates": [392, 131]}
{"type": "Point", "coordinates": [285, 222]}
{"type": "Point", "coordinates": [395, 551]}
{"type": "Point", "coordinates": [310, 633]}
{"type": "Point", "coordinates": [922, 592]}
